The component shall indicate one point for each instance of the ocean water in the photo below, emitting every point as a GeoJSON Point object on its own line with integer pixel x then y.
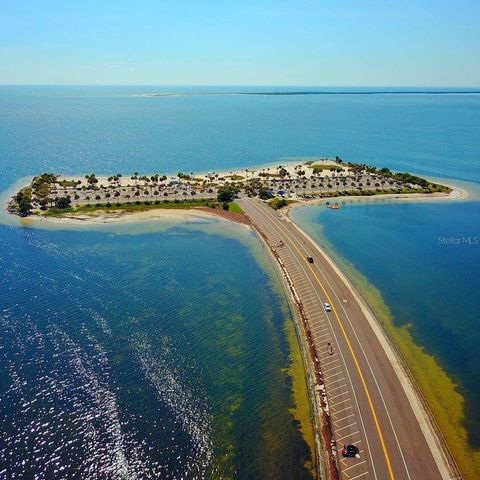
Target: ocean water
{"type": "Point", "coordinates": [425, 260]}
{"type": "Point", "coordinates": [143, 355]}
{"type": "Point", "coordinates": [163, 353]}
{"type": "Point", "coordinates": [101, 129]}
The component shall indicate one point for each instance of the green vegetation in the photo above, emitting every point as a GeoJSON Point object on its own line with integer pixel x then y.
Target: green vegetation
{"type": "Point", "coordinates": [139, 207]}
{"type": "Point", "coordinates": [68, 183]}
{"type": "Point", "coordinates": [183, 176]}
{"type": "Point", "coordinates": [91, 179]}
{"type": "Point", "coordinates": [42, 185]}
{"type": "Point", "coordinates": [226, 193]}
{"type": "Point", "coordinates": [266, 174]}
{"type": "Point", "coordinates": [235, 177]}
{"type": "Point", "coordinates": [233, 207]}
{"type": "Point", "coordinates": [278, 202]}
{"type": "Point", "coordinates": [265, 193]}
{"type": "Point", "coordinates": [62, 202]}
{"type": "Point", "coordinates": [321, 168]}
{"type": "Point", "coordinates": [23, 200]}
{"type": "Point", "coordinates": [301, 409]}
{"type": "Point", "coordinates": [42, 193]}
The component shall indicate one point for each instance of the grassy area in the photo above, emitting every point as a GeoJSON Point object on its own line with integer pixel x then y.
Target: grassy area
{"type": "Point", "coordinates": [233, 207]}
{"type": "Point", "coordinates": [139, 207]}
{"type": "Point", "coordinates": [440, 391]}
{"type": "Point", "coordinates": [278, 202]}
{"type": "Point", "coordinates": [320, 168]}
{"type": "Point", "coordinates": [129, 207]}
{"type": "Point", "coordinates": [378, 191]}
{"type": "Point", "coordinates": [235, 177]}
{"type": "Point", "coordinates": [301, 404]}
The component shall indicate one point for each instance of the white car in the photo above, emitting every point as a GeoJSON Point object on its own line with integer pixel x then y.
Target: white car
{"type": "Point", "coordinates": [327, 307]}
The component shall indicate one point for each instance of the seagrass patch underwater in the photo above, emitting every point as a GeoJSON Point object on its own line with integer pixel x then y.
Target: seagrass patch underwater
{"type": "Point", "coordinates": [156, 355]}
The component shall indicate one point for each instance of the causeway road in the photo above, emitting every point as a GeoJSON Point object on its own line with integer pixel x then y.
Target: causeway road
{"type": "Point", "coordinates": [371, 402]}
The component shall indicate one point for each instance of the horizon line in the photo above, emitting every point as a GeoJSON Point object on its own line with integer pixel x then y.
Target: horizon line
{"type": "Point", "coordinates": [249, 85]}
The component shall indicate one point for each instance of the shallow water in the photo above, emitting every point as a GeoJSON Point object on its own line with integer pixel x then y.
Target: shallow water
{"type": "Point", "coordinates": [424, 258]}
{"type": "Point", "coordinates": [125, 343]}
{"type": "Point", "coordinates": [150, 355]}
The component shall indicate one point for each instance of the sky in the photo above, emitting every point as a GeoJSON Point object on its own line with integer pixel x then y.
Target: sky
{"type": "Point", "coordinates": [245, 42]}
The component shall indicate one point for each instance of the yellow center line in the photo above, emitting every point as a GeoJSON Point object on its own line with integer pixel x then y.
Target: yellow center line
{"type": "Point", "coordinates": [359, 369]}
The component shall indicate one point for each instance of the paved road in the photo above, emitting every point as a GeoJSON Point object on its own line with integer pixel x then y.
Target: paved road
{"type": "Point", "coordinates": [368, 405]}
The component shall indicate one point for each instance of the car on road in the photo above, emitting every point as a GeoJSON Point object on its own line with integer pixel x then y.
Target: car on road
{"type": "Point", "coordinates": [309, 259]}
{"type": "Point", "coordinates": [350, 451]}
{"type": "Point", "coordinates": [327, 307]}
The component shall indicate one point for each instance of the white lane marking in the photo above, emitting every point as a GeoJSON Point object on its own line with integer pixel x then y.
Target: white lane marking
{"type": "Point", "coordinates": [336, 388]}
{"type": "Point", "coordinates": [335, 360]}
{"type": "Point", "coordinates": [343, 419]}
{"type": "Point", "coordinates": [346, 426]}
{"type": "Point", "coordinates": [353, 466]}
{"type": "Point", "coordinates": [365, 357]}
{"type": "Point", "coordinates": [339, 403]}
{"type": "Point", "coordinates": [332, 368]}
{"type": "Point", "coordinates": [358, 476]}
{"type": "Point", "coordinates": [336, 381]}
{"type": "Point", "coordinates": [343, 409]}
{"type": "Point", "coordinates": [319, 328]}
{"type": "Point", "coordinates": [322, 336]}
{"type": "Point", "coordinates": [256, 207]}
{"type": "Point", "coordinates": [371, 371]}
{"type": "Point", "coordinates": [346, 392]}
{"type": "Point", "coordinates": [348, 435]}
{"type": "Point", "coordinates": [326, 377]}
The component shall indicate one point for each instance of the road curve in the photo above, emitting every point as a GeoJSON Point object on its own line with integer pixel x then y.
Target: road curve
{"type": "Point", "coordinates": [367, 404]}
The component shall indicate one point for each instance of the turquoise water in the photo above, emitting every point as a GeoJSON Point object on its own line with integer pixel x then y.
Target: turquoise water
{"type": "Point", "coordinates": [74, 129]}
{"type": "Point", "coordinates": [160, 353]}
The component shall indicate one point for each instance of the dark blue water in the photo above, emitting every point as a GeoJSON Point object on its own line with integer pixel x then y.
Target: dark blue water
{"type": "Point", "coordinates": [160, 354]}
{"type": "Point", "coordinates": [153, 355]}
{"type": "Point", "coordinates": [425, 260]}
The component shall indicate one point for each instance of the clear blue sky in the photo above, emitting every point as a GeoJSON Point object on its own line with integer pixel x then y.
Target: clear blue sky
{"type": "Point", "coordinates": [242, 42]}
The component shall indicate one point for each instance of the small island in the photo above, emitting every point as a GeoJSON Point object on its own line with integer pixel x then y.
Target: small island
{"type": "Point", "coordinates": [50, 194]}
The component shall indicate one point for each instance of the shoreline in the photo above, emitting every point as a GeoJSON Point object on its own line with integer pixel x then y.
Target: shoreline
{"type": "Point", "coordinates": [428, 386]}
{"type": "Point", "coordinates": [456, 194]}
{"type": "Point", "coordinates": [120, 215]}
{"type": "Point", "coordinates": [302, 179]}
{"type": "Point", "coordinates": [427, 421]}
{"type": "Point", "coordinates": [116, 216]}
